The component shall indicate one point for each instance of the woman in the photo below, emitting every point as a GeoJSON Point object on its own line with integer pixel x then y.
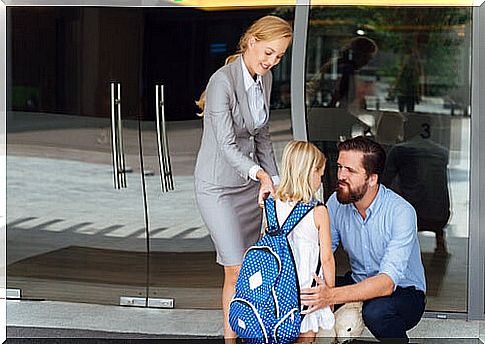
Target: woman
{"type": "Point", "coordinates": [236, 163]}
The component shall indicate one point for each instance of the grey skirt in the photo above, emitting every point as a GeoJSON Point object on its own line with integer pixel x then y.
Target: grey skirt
{"type": "Point", "coordinates": [232, 216]}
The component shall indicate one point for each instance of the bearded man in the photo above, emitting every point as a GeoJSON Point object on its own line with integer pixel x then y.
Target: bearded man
{"type": "Point", "coordinates": [378, 230]}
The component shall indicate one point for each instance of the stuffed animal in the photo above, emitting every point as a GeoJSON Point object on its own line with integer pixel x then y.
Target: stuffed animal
{"type": "Point", "coordinates": [348, 323]}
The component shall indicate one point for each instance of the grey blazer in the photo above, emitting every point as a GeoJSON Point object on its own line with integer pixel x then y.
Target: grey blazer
{"type": "Point", "coordinates": [231, 144]}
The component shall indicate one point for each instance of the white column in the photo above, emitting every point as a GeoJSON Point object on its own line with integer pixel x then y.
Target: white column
{"type": "Point", "coordinates": [3, 160]}
{"type": "Point", "coordinates": [476, 253]}
{"type": "Point", "coordinates": [298, 60]}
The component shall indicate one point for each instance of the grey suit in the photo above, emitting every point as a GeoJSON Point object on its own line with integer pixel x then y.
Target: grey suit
{"type": "Point", "coordinates": [231, 145]}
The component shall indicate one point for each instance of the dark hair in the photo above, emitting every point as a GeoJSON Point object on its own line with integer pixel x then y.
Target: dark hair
{"type": "Point", "coordinates": [360, 50]}
{"type": "Point", "coordinates": [374, 159]}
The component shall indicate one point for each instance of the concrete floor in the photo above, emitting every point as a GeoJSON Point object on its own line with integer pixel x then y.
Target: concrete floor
{"type": "Point", "coordinates": [34, 230]}
{"type": "Point", "coordinates": [60, 194]}
{"type": "Point", "coordinates": [61, 316]}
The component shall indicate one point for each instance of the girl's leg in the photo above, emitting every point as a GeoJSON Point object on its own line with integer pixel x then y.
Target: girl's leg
{"type": "Point", "coordinates": [230, 277]}
{"type": "Point", "coordinates": [307, 337]}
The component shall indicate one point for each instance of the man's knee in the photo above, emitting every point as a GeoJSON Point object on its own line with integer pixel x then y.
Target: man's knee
{"type": "Point", "coordinates": [382, 319]}
{"type": "Point", "coordinates": [374, 312]}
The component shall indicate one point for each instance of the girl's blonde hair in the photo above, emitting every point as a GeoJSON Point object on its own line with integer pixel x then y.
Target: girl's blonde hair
{"type": "Point", "coordinates": [300, 160]}
{"type": "Point", "coordinates": [267, 28]}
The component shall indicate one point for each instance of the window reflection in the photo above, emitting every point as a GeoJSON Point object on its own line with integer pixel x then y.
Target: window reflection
{"type": "Point", "coordinates": [60, 65]}
{"type": "Point", "coordinates": [401, 76]}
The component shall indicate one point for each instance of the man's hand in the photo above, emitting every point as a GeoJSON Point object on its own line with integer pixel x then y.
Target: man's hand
{"type": "Point", "coordinates": [317, 297]}
{"type": "Point", "coordinates": [323, 295]}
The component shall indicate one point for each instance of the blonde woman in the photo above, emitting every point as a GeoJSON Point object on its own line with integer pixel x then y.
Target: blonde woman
{"type": "Point", "coordinates": [303, 165]}
{"type": "Point", "coordinates": [235, 165]}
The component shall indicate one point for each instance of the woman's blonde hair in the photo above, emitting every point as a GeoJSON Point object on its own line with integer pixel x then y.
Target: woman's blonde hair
{"type": "Point", "coordinates": [300, 160]}
{"type": "Point", "coordinates": [267, 28]}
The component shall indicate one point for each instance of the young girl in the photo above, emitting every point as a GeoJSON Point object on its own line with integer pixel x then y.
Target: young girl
{"type": "Point", "coordinates": [303, 165]}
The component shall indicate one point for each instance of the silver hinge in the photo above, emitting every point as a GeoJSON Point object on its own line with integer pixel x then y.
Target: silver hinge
{"type": "Point", "coordinates": [13, 293]}
{"type": "Point", "coordinates": [142, 302]}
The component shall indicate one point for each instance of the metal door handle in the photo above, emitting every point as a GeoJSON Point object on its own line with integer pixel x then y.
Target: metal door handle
{"type": "Point", "coordinates": [119, 171]}
{"type": "Point", "coordinates": [162, 141]}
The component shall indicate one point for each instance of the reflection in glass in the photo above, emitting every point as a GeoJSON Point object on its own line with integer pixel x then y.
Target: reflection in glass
{"type": "Point", "coordinates": [71, 235]}
{"type": "Point", "coordinates": [401, 76]}
{"type": "Point", "coordinates": [417, 169]}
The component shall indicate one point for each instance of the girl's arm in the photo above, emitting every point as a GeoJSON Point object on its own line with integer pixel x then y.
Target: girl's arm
{"type": "Point", "coordinates": [326, 255]}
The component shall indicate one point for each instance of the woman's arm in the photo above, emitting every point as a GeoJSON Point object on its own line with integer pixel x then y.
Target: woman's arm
{"type": "Point", "coordinates": [218, 114]}
{"type": "Point", "coordinates": [264, 151]}
{"type": "Point", "coordinates": [266, 188]}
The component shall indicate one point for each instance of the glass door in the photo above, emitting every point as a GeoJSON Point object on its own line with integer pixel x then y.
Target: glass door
{"type": "Point", "coordinates": [182, 48]}
{"type": "Point", "coordinates": [72, 234]}
{"type": "Point", "coordinates": [402, 76]}
{"type": "Point", "coordinates": [75, 212]}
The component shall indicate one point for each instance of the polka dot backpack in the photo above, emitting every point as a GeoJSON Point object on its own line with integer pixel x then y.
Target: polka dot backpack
{"type": "Point", "coordinates": [266, 305]}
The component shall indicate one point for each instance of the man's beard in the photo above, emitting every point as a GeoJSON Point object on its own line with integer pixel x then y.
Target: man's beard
{"type": "Point", "coordinates": [347, 195]}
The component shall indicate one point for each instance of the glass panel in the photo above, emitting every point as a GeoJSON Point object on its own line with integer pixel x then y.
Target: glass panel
{"type": "Point", "coordinates": [87, 235]}
{"type": "Point", "coordinates": [280, 118]}
{"type": "Point", "coordinates": [71, 235]}
{"type": "Point", "coordinates": [402, 76]}
{"type": "Point", "coordinates": [182, 257]}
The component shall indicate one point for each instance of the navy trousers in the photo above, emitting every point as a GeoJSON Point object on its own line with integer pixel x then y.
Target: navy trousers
{"type": "Point", "coordinates": [389, 317]}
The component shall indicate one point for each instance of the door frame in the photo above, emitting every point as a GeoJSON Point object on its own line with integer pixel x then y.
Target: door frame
{"type": "Point", "coordinates": [3, 170]}
{"type": "Point", "coordinates": [476, 257]}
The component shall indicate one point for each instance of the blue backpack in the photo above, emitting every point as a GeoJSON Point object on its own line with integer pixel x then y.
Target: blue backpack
{"type": "Point", "coordinates": [266, 305]}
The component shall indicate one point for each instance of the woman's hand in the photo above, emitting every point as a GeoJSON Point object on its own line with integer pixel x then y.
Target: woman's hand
{"type": "Point", "coordinates": [266, 187]}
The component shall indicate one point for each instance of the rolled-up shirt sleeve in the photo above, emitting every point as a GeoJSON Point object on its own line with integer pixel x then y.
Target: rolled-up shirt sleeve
{"type": "Point", "coordinates": [398, 251]}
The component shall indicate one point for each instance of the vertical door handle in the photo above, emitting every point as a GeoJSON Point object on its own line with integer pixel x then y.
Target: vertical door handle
{"type": "Point", "coordinates": [162, 141]}
{"type": "Point", "coordinates": [119, 171]}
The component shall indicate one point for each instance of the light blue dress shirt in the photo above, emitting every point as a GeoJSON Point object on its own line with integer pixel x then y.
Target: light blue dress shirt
{"type": "Point", "coordinates": [254, 90]}
{"type": "Point", "coordinates": [385, 242]}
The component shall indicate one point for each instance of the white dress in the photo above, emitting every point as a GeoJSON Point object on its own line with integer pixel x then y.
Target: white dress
{"type": "Point", "coordinates": [304, 244]}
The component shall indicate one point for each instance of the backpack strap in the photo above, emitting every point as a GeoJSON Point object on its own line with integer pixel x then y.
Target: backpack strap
{"type": "Point", "coordinates": [297, 214]}
{"type": "Point", "coordinates": [319, 265]}
{"type": "Point", "coordinates": [271, 218]}
{"type": "Point", "coordinates": [314, 283]}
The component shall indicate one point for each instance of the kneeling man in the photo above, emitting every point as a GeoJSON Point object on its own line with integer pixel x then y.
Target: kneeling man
{"type": "Point", "coordinates": [378, 230]}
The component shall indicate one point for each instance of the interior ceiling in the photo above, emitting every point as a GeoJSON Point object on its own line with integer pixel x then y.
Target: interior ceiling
{"type": "Point", "coordinates": [224, 4]}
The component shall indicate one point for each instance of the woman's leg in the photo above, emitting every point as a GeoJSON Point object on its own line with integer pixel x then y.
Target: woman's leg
{"type": "Point", "coordinates": [230, 277]}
